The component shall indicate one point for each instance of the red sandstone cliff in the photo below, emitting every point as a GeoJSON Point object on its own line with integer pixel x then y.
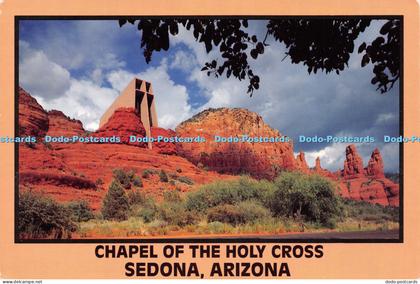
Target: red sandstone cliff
{"type": "Point", "coordinates": [322, 172]}
{"type": "Point", "coordinates": [261, 160]}
{"type": "Point", "coordinates": [70, 171]}
{"type": "Point", "coordinates": [162, 147]}
{"type": "Point", "coordinates": [301, 163]}
{"type": "Point", "coordinates": [353, 164]}
{"type": "Point", "coordinates": [33, 119]}
{"type": "Point", "coordinates": [124, 122]}
{"type": "Point", "coordinates": [62, 125]}
{"type": "Point", "coordinates": [375, 166]}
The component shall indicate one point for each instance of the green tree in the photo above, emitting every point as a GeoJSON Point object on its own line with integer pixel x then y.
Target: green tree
{"type": "Point", "coordinates": [137, 181]}
{"type": "Point", "coordinates": [124, 178]}
{"type": "Point", "coordinates": [310, 197]}
{"type": "Point", "coordinates": [115, 204]}
{"type": "Point", "coordinates": [42, 217]}
{"type": "Point", "coordinates": [81, 211]}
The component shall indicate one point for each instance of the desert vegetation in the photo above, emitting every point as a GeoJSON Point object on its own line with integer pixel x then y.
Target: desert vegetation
{"type": "Point", "coordinates": [42, 217]}
{"type": "Point", "coordinates": [293, 202]}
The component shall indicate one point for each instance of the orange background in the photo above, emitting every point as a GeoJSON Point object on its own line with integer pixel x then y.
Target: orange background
{"type": "Point", "coordinates": [389, 261]}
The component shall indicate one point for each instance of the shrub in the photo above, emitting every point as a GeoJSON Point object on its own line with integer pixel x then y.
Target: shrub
{"type": "Point", "coordinates": [99, 182]}
{"type": "Point", "coordinates": [186, 180]}
{"type": "Point", "coordinates": [123, 178]}
{"type": "Point", "coordinates": [149, 211]}
{"type": "Point", "coordinates": [225, 213]}
{"type": "Point", "coordinates": [163, 176]}
{"type": "Point", "coordinates": [115, 204]}
{"type": "Point", "coordinates": [81, 211]}
{"type": "Point", "coordinates": [176, 214]}
{"type": "Point", "coordinates": [370, 212]}
{"type": "Point", "coordinates": [173, 175]}
{"type": "Point", "coordinates": [136, 197]}
{"type": "Point", "coordinates": [142, 206]}
{"type": "Point", "coordinates": [216, 227]}
{"type": "Point", "coordinates": [147, 172]}
{"type": "Point", "coordinates": [309, 196]}
{"type": "Point", "coordinates": [230, 192]}
{"type": "Point", "coordinates": [42, 217]}
{"type": "Point", "coordinates": [137, 181]}
{"type": "Point", "coordinates": [171, 196]}
{"type": "Point", "coordinates": [241, 213]}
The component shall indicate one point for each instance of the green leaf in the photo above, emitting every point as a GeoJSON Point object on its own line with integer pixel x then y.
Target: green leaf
{"type": "Point", "coordinates": [122, 22]}
{"type": "Point", "coordinates": [386, 27]}
{"type": "Point", "coordinates": [361, 47]}
{"type": "Point", "coordinates": [365, 60]}
{"type": "Point", "coordinates": [254, 53]}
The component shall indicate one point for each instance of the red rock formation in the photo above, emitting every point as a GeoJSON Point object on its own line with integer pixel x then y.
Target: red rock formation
{"type": "Point", "coordinates": [318, 167]}
{"type": "Point", "coordinates": [162, 147]}
{"type": "Point", "coordinates": [62, 125]}
{"type": "Point", "coordinates": [301, 162]}
{"type": "Point", "coordinates": [376, 165]}
{"type": "Point", "coordinates": [261, 160]}
{"type": "Point", "coordinates": [33, 120]}
{"type": "Point", "coordinates": [322, 172]}
{"type": "Point", "coordinates": [370, 184]}
{"type": "Point", "coordinates": [124, 122]}
{"type": "Point", "coordinates": [378, 190]}
{"type": "Point", "coordinates": [69, 171]}
{"type": "Point", "coordinates": [353, 165]}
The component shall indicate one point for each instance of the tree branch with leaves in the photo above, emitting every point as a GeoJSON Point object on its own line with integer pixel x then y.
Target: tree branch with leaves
{"type": "Point", "coordinates": [319, 44]}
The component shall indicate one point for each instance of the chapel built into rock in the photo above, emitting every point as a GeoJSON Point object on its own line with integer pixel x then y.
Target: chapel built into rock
{"type": "Point", "coordinates": [137, 95]}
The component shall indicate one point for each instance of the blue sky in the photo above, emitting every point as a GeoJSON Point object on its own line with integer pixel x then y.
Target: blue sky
{"type": "Point", "coordinates": [79, 67]}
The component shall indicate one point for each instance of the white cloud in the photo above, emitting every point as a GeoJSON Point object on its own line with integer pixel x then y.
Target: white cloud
{"type": "Point", "coordinates": [84, 101]}
{"type": "Point", "coordinates": [385, 117]}
{"type": "Point", "coordinates": [390, 156]}
{"type": "Point", "coordinates": [332, 157]}
{"type": "Point", "coordinates": [54, 88]}
{"type": "Point", "coordinates": [41, 75]}
{"type": "Point", "coordinates": [119, 79]}
{"type": "Point", "coordinates": [184, 61]}
{"type": "Point", "coordinates": [84, 44]}
{"type": "Point", "coordinates": [97, 76]}
{"type": "Point", "coordinates": [171, 99]}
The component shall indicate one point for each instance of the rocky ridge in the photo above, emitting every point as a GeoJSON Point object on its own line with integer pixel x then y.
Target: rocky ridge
{"type": "Point", "coordinates": [261, 160]}
{"type": "Point", "coordinates": [71, 171]}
